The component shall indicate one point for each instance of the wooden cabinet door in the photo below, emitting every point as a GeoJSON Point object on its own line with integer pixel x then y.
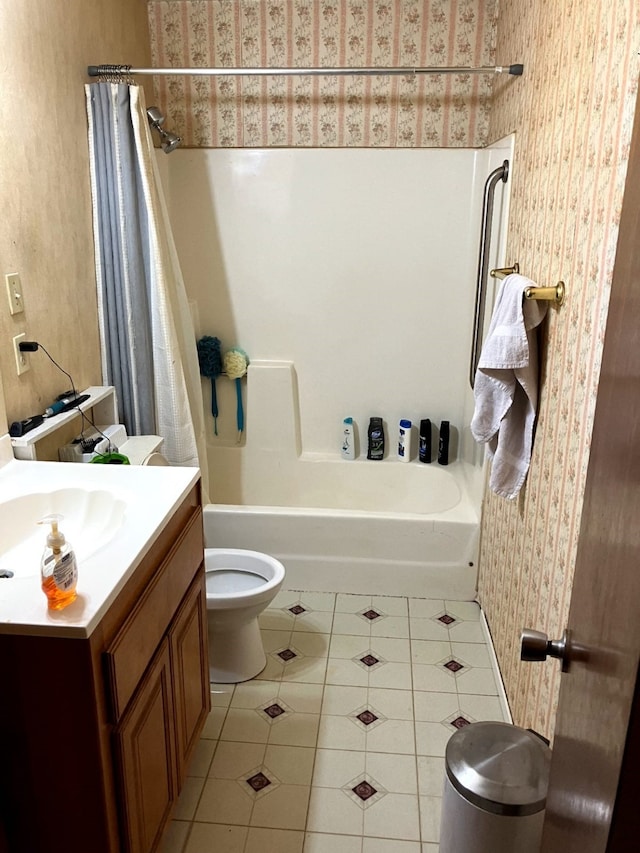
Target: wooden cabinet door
{"type": "Point", "coordinates": [146, 763]}
{"type": "Point", "coordinates": [190, 670]}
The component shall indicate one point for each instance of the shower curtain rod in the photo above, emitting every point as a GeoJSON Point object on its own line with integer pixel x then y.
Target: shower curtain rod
{"type": "Point", "coordinates": [115, 70]}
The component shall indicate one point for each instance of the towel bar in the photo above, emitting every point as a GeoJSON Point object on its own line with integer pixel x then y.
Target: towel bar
{"type": "Point", "coordinates": [549, 294]}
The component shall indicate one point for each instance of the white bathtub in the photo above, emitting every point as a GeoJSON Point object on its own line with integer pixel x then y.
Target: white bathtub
{"type": "Point", "coordinates": [379, 528]}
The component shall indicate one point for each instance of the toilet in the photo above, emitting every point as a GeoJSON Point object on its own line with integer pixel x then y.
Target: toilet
{"type": "Point", "coordinates": [240, 585]}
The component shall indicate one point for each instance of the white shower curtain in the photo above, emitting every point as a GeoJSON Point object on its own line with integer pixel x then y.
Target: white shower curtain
{"type": "Point", "coordinates": [148, 342]}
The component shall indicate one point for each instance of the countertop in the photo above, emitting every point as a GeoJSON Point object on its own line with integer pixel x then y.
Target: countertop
{"type": "Point", "coordinates": [146, 498]}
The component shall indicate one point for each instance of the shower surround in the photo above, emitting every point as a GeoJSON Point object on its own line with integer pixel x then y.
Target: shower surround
{"type": "Point", "coordinates": [348, 276]}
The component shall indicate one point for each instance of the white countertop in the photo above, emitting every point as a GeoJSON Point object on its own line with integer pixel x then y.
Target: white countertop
{"type": "Point", "coordinates": [150, 495]}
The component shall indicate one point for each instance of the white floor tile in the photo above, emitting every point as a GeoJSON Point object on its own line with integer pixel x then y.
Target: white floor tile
{"type": "Point", "coordinates": [424, 608]}
{"type": "Point", "coordinates": [245, 726]}
{"type": "Point", "coordinates": [316, 842]}
{"type": "Point", "coordinates": [390, 626]}
{"type": "Point", "coordinates": [481, 707]}
{"type": "Point", "coordinates": [332, 811]}
{"type": "Point", "coordinates": [469, 610]}
{"type": "Point", "coordinates": [296, 730]}
{"type": "Point", "coordinates": [394, 816]}
{"type": "Point", "coordinates": [221, 694]}
{"type": "Point", "coordinates": [276, 620]}
{"type": "Point", "coordinates": [432, 738]}
{"type": "Point", "coordinates": [396, 676]}
{"type": "Point", "coordinates": [214, 722]}
{"type": "Point", "coordinates": [435, 706]}
{"type": "Point", "coordinates": [475, 654]}
{"type": "Point", "coordinates": [478, 680]}
{"type": "Point", "coordinates": [390, 604]}
{"type": "Point", "coordinates": [386, 845]}
{"type": "Point", "coordinates": [346, 603]}
{"type": "Point", "coordinates": [301, 696]}
{"type": "Point", "coordinates": [430, 651]}
{"type": "Point", "coordinates": [433, 678]}
{"type": "Point", "coordinates": [315, 620]}
{"type": "Point", "coordinates": [311, 643]}
{"type": "Point", "coordinates": [253, 694]}
{"type": "Point", "coordinates": [430, 809]}
{"type": "Point", "coordinates": [427, 629]}
{"type": "Point", "coordinates": [346, 672]}
{"type": "Point", "coordinates": [224, 801]}
{"type": "Point", "coordinates": [341, 699]}
{"type": "Point", "coordinates": [349, 623]}
{"type": "Point", "coordinates": [233, 759]}
{"type": "Point", "coordinates": [206, 837]}
{"type": "Point", "coordinates": [347, 646]}
{"type": "Point", "coordinates": [293, 765]}
{"type": "Point", "coordinates": [393, 704]}
{"type": "Point", "coordinates": [466, 632]}
{"type": "Point", "coordinates": [308, 670]}
{"type": "Point", "coordinates": [431, 774]}
{"type": "Point", "coordinates": [394, 736]}
{"type": "Point", "coordinates": [283, 808]}
{"type": "Point", "coordinates": [396, 773]}
{"type": "Point", "coordinates": [202, 757]}
{"type": "Point", "coordinates": [272, 841]}
{"type": "Point", "coordinates": [391, 648]}
{"type": "Point", "coordinates": [334, 768]}
{"type": "Point", "coordinates": [340, 733]}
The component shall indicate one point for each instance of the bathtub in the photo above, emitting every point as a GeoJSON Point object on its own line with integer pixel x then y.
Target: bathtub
{"type": "Point", "coordinates": [377, 528]}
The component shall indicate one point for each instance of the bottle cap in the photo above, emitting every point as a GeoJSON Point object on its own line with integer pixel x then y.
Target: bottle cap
{"type": "Point", "coordinates": [405, 424]}
{"type": "Point", "coordinates": [348, 420]}
{"type": "Point", "coordinates": [55, 539]}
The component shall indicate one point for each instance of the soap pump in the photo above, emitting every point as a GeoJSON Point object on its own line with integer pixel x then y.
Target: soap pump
{"type": "Point", "coordinates": [58, 568]}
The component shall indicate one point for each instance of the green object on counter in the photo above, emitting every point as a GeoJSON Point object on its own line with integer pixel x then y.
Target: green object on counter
{"type": "Point", "coordinates": [111, 459]}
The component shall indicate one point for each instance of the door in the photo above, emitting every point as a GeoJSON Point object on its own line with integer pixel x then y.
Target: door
{"type": "Point", "coordinates": [596, 752]}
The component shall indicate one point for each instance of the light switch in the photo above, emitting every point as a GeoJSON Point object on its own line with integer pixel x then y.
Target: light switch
{"type": "Point", "coordinates": [14, 293]}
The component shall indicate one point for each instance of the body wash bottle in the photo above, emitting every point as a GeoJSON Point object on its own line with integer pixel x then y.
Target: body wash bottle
{"type": "Point", "coordinates": [58, 569]}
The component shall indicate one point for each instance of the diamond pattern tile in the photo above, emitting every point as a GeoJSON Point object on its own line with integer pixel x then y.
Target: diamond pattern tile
{"type": "Point", "coordinates": [453, 666]}
{"type": "Point", "coordinates": [446, 619]}
{"type": "Point", "coordinates": [258, 781]}
{"type": "Point", "coordinates": [297, 609]}
{"type": "Point", "coordinates": [369, 660]}
{"type": "Point", "coordinates": [371, 615]}
{"type": "Point", "coordinates": [286, 655]}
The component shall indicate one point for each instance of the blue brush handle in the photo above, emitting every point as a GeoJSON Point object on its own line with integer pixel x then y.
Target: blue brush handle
{"type": "Point", "coordinates": [240, 410]}
{"type": "Point", "coordinates": [214, 405]}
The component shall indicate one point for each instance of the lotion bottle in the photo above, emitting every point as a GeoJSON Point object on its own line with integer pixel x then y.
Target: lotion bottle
{"type": "Point", "coordinates": [348, 449]}
{"type": "Point", "coordinates": [375, 433]}
{"type": "Point", "coordinates": [58, 568]}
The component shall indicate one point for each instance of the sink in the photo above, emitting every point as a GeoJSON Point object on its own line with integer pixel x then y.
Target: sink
{"type": "Point", "coordinates": [91, 518]}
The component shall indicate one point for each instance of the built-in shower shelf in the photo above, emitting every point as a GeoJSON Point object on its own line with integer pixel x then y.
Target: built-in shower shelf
{"type": "Point", "coordinates": [102, 400]}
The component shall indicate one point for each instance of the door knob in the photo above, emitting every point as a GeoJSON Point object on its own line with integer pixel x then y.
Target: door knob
{"type": "Point", "coordinates": [536, 646]}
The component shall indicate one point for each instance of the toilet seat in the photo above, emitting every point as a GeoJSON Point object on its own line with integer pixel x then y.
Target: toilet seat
{"type": "Point", "coordinates": [231, 580]}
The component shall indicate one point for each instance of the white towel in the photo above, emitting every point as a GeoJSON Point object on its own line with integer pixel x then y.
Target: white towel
{"type": "Point", "coordinates": [506, 386]}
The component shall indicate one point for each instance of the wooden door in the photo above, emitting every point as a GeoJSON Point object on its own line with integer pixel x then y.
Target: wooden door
{"type": "Point", "coordinates": [145, 751]}
{"type": "Point", "coordinates": [190, 672]}
{"type": "Point", "coordinates": [596, 754]}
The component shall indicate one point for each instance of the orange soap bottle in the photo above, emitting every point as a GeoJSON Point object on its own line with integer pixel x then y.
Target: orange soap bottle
{"type": "Point", "coordinates": [58, 568]}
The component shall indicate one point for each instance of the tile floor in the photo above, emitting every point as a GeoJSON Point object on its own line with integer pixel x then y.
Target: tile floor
{"type": "Point", "coordinates": [338, 745]}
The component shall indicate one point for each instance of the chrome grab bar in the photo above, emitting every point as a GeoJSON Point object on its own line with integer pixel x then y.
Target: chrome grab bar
{"type": "Point", "coordinates": [499, 174]}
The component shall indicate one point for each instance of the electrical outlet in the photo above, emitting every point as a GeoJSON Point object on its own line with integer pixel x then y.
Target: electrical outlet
{"type": "Point", "coordinates": [14, 293]}
{"type": "Point", "coordinates": [22, 358]}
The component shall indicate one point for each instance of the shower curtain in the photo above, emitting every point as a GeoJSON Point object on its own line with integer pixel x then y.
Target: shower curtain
{"type": "Point", "coordinates": [148, 341]}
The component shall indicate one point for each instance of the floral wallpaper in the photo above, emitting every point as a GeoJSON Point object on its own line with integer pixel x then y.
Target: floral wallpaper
{"type": "Point", "coordinates": [417, 111]}
{"type": "Point", "coordinates": [573, 114]}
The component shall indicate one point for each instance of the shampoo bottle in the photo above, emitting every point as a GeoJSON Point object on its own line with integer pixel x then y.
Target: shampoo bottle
{"type": "Point", "coordinates": [424, 448]}
{"type": "Point", "coordinates": [375, 448]}
{"type": "Point", "coordinates": [348, 449]}
{"type": "Point", "coordinates": [405, 441]}
{"type": "Point", "coordinates": [58, 569]}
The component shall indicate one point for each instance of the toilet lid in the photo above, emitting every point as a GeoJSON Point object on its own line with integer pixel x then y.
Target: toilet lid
{"type": "Point", "coordinates": [223, 581]}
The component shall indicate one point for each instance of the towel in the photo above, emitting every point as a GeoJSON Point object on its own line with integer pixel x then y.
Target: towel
{"type": "Point", "coordinates": [506, 386]}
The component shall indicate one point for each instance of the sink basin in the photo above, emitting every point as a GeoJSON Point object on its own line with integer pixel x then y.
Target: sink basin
{"type": "Point", "coordinates": [91, 518]}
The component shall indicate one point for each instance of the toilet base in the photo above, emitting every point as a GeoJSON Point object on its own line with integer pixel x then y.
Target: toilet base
{"type": "Point", "coordinates": [235, 653]}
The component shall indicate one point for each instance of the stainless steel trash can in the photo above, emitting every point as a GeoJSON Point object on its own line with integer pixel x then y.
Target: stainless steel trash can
{"type": "Point", "coordinates": [495, 789]}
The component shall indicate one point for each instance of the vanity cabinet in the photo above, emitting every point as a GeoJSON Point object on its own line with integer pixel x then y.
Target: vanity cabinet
{"type": "Point", "coordinates": [97, 732]}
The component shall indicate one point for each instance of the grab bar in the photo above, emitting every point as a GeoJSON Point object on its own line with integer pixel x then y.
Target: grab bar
{"type": "Point", "coordinates": [499, 174]}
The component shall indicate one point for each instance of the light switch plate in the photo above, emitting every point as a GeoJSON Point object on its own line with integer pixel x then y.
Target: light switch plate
{"type": "Point", "coordinates": [14, 293]}
{"type": "Point", "coordinates": [22, 358]}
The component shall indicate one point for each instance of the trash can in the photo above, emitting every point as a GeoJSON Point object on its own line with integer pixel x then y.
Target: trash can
{"type": "Point", "coordinates": [495, 789]}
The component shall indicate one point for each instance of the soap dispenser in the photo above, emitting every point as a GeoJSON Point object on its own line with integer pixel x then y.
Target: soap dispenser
{"type": "Point", "coordinates": [58, 568]}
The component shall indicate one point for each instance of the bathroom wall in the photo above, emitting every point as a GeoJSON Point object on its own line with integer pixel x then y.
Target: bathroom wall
{"type": "Point", "coordinates": [45, 229]}
{"type": "Point", "coordinates": [572, 113]}
{"type": "Point", "coordinates": [447, 111]}
{"type": "Point", "coordinates": [358, 266]}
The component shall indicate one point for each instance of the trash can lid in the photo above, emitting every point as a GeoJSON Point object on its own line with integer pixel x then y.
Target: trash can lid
{"type": "Point", "coordinates": [499, 767]}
